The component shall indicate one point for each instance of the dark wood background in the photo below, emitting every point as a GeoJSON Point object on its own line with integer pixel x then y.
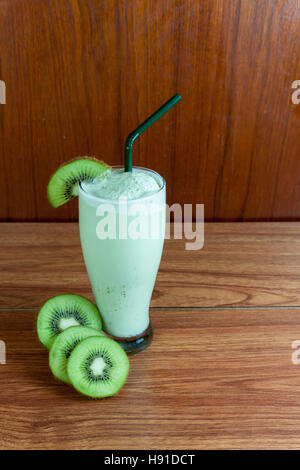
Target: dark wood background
{"type": "Point", "coordinates": [81, 74]}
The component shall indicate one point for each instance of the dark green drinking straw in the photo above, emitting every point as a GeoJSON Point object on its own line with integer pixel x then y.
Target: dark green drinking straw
{"type": "Point", "coordinates": [142, 127]}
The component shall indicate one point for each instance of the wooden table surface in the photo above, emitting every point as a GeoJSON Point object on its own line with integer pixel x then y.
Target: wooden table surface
{"type": "Point", "coordinates": [219, 373]}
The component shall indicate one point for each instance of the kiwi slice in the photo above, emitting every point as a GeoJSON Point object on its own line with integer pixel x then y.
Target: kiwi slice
{"type": "Point", "coordinates": [64, 311]}
{"type": "Point", "coordinates": [63, 185]}
{"type": "Point", "coordinates": [63, 345]}
{"type": "Point", "coordinates": [98, 367]}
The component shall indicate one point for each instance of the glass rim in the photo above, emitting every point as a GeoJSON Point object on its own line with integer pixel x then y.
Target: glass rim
{"type": "Point", "coordinates": [129, 201]}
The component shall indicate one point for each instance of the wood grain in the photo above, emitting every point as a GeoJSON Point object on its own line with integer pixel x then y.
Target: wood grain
{"type": "Point", "coordinates": [226, 381]}
{"type": "Point", "coordinates": [81, 74]}
{"type": "Point", "coordinates": [241, 264]}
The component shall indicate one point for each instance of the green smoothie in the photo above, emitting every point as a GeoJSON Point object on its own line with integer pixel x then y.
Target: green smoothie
{"type": "Point", "coordinates": [122, 227]}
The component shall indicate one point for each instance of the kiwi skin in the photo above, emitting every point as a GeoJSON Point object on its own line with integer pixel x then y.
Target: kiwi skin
{"type": "Point", "coordinates": [58, 356]}
{"type": "Point", "coordinates": [77, 357]}
{"type": "Point", "coordinates": [55, 307]}
{"type": "Point", "coordinates": [60, 190]}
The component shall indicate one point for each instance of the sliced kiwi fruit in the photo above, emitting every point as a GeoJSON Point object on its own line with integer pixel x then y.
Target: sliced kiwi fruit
{"type": "Point", "coordinates": [98, 367]}
{"type": "Point", "coordinates": [63, 345]}
{"type": "Point", "coordinates": [64, 311]}
{"type": "Point", "coordinates": [63, 185]}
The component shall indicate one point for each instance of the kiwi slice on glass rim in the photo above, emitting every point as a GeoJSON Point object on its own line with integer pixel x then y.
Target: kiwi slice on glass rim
{"type": "Point", "coordinates": [64, 311]}
{"type": "Point", "coordinates": [63, 185]}
{"type": "Point", "coordinates": [62, 347]}
{"type": "Point", "coordinates": [98, 367]}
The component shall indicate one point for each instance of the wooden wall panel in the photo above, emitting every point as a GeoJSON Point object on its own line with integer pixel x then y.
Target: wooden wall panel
{"type": "Point", "coordinates": [81, 74]}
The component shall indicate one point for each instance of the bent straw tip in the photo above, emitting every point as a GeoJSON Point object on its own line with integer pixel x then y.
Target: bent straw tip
{"type": "Point", "coordinates": [176, 97]}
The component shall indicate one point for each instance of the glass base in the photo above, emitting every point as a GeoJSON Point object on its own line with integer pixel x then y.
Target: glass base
{"type": "Point", "coordinates": [137, 343]}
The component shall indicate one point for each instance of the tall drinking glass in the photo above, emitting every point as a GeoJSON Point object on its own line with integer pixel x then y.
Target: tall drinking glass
{"type": "Point", "coordinates": [122, 242]}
